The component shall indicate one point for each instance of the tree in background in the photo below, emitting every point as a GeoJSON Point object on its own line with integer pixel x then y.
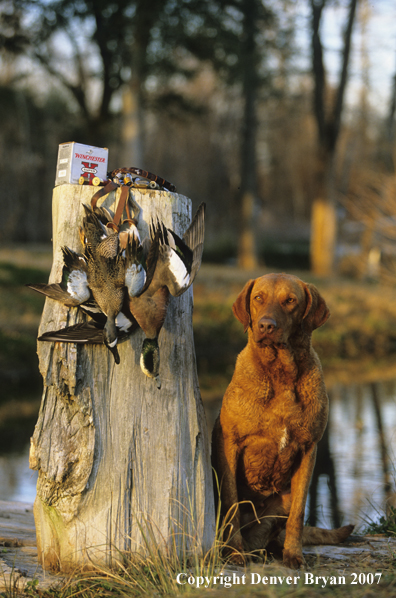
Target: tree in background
{"type": "Point", "coordinates": [238, 38]}
{"type": "Point", "coordinates": [90, 48]}
{"type": "Point", "coordinates": [256, 19]}
{"type": "Point", "coordinates": [29, 132]}
{"type": "Point", "coordinates": [328, 119]}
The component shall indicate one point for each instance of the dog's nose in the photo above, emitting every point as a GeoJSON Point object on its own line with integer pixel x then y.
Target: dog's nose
{"type": "Point", "coordinates": [266, 325]}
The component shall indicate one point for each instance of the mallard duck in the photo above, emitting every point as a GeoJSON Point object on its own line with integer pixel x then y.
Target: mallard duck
{"type": "Point", "coordinates": [176, 267]}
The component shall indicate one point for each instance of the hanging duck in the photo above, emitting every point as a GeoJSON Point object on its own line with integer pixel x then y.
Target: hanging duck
{"type": "Point", "coordinates": [112, 264]}
{"type": "Point", "coordinates": [177, 265]}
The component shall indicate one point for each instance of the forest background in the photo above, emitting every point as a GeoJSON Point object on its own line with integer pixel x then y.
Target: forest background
{"type": "Point", "coordinates": [240, 103]}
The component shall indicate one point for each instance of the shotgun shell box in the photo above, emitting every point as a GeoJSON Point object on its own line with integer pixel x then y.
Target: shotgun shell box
{"type": "Point", "coordinates": [76, 160]}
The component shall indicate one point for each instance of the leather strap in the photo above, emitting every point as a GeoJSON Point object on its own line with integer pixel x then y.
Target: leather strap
{"type": "Point", "coordinates": [121, 204]}
{"type": "Point", "coordinates": [103, 191]}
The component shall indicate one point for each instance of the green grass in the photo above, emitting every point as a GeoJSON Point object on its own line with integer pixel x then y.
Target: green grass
{"type": "Point", "coordinates": [386, 524]}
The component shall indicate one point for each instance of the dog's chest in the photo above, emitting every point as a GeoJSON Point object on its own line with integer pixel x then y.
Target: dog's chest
{"type": "Point", "coordinates": [273, 439]}
{"type": "Point", "coordinates": [298, 408]}
{"type": "Point", "coordinates": [278, 425]}
{"type": "Point", "coordinates": [283, 442]}
{"type": "Point", "coordinates": [266, 462]}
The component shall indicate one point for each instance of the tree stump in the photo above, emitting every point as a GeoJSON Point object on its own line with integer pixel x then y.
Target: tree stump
{"type": "Point", "coordinates": [120, 462]}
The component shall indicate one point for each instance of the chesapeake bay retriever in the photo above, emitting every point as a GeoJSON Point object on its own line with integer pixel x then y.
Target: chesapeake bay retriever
{"type": "Point", "coordinates": [273, 414]}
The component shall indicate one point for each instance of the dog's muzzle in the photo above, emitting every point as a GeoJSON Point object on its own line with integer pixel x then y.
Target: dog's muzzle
{"type": "Point", "coordinates": [266, 330]}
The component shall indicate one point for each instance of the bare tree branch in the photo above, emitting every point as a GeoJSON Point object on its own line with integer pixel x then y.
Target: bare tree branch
{"type": "Point", "coordinates": [337, 111]}
{"type": "Point", "coordinates": [318, 68]}
{"type": "Point", "coordinates": [76, 90]}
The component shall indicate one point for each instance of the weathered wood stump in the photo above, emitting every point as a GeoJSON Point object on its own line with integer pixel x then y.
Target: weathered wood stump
{"type": "Point", "coordinates": [120, 462]}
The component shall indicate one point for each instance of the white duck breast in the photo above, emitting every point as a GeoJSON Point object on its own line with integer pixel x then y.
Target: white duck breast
{"type": "Point", "coordinates": [135, 277]}
{"type": "Point", "coordinates": [122, 322]}
{"type": "Point", "coordinates": [178, 270]}
{"type": "Point", "coordinates": [77, 286]}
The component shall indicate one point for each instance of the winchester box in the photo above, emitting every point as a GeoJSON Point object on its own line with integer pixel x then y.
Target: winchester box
{"type": "Point", "coordinates": [77, 160]}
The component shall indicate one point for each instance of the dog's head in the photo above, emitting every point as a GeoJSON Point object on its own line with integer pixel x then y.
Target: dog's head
{"type": "Point", "coordinates": [275, 306]}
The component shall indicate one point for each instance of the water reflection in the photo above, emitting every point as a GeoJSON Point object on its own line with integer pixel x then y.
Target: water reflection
{"type": "Point", "coordinates": [354, 475]}
{"type": "Point", "coordinates": [17, 481]}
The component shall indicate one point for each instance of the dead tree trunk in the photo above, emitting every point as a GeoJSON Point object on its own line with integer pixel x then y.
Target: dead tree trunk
{"type": "Point", "coordinates": [120, 462]}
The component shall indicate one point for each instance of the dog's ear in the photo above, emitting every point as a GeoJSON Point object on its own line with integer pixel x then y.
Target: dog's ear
{"type": "Point", "coordinates": [241, 307]}
{"type": "Point", "coordinates": [316, 311]}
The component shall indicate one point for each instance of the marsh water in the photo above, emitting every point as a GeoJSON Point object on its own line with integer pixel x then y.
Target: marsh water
{"type": "Point", "coordinates": [355, 470]}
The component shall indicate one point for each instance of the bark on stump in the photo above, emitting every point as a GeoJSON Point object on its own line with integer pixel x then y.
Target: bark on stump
{"type": "Point", "coordinates": [120, 462]}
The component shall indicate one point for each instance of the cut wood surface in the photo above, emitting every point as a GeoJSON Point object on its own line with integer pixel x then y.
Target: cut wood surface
{"type": "Point", "coordinates": [116, 456]}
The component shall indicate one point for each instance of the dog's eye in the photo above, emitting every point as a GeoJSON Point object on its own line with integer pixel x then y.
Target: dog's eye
{"type": "Point", "coordinates": [290, 300]}
{"type": "Point", "coordinates": [258, 298]}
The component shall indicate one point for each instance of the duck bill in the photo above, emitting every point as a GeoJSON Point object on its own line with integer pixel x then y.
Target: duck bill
{"type": "Point", "coordinates": [115, 353]}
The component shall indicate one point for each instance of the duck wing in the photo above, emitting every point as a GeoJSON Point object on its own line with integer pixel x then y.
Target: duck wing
{"type": "Point", "coordinates": [92, 309]}
{"type": "Point", "coordinates": [92, 231]}
{"type": "Point", "coordinates": [54, 291]}
{"type": "Point", "coordinates": [180, 259]}
{"type": "Point", "coordinates": [103, 214]}
{"type": "Point", "coordinates": [73, 290]}
{"type": "Point", "coordinates": [194, 239]}
{"type": "Point", "coordinates": [87, 333]}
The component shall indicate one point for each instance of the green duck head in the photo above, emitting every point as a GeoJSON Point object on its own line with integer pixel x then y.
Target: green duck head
{"type": "Point", "coordinates": [150, 359]}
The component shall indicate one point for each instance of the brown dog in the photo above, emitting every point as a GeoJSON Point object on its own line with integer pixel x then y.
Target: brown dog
{"type": "Point", "coordinates": [273, 414]}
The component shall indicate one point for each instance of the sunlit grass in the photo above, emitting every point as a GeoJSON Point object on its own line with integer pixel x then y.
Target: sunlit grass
{"type": "Point", "coordinates": [153, 571]}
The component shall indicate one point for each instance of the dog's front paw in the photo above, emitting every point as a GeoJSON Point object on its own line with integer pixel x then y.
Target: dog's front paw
{"type": "Point", "coordinates": [234, 555]}
{"type": "Point", "coordinates": [237, 558]}
{"type": "Point", "coordinates": [233, 549]}
{"type": "Point", "coordinates": [293, 559]}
